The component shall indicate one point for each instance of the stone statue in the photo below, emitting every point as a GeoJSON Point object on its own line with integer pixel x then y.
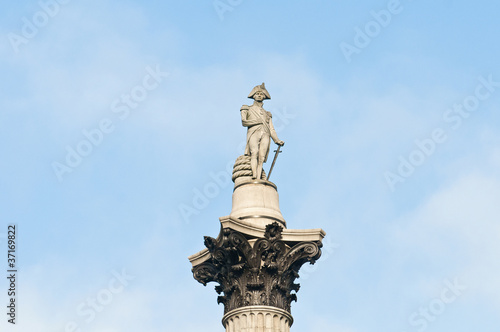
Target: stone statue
{"type": "Point", "coordinates": [260, 130]}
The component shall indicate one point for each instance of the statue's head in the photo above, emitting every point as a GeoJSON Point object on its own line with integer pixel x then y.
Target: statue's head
{"type": "Point", "coordinates": [262, 89]}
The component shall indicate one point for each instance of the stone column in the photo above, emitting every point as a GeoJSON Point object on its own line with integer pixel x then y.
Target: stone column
{"type": "Point", "coordinates": [255, 260]}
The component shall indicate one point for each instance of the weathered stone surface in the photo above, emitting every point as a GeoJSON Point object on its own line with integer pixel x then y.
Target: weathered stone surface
{"type": "Point", "coordinates": [253, 230]}
{"type": "Point", "coordinates": [253, 271]}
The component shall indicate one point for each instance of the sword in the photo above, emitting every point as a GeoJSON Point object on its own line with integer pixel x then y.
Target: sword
{"type": "Point", "coordinates": [274, 161]}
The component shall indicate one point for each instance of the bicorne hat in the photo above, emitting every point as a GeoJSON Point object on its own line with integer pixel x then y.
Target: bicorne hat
{"type": "Point", "coordinates": [261, 88]}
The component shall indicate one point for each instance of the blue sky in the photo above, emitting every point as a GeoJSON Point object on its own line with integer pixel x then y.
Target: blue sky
{"type": "Point", "coordinates": [393, 148]}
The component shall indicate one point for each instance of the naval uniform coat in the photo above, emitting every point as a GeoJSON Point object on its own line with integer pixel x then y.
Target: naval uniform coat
{"type": "Point", "coordinates": [259, 122]}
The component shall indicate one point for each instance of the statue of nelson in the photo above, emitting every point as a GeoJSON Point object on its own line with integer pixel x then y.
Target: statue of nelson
{"type": "Point", "coordinates": [260, 130]}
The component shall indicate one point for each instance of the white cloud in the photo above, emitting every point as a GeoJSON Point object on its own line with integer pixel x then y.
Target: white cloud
{"type": "Point", "coordinates": [458, 232]}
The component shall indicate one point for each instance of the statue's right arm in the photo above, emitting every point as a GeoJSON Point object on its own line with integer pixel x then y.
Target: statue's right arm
{"type": "Point", "coordinates": [244, 118]}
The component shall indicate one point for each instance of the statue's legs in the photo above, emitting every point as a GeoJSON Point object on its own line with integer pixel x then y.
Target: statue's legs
{"type": "Point", "coordinates": [253, 143]}
{"type": "Point", "coordinates": [263, 149]}
{"type": "Point", "coordinates": [253, 164]}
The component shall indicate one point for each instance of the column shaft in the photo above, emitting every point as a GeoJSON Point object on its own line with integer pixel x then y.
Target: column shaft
{"type": "Point", "coordinates": [257, 319]}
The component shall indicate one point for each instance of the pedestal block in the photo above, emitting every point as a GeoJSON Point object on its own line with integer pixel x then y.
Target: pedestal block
{"type": "Point", "coordinates": [256, 201]}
